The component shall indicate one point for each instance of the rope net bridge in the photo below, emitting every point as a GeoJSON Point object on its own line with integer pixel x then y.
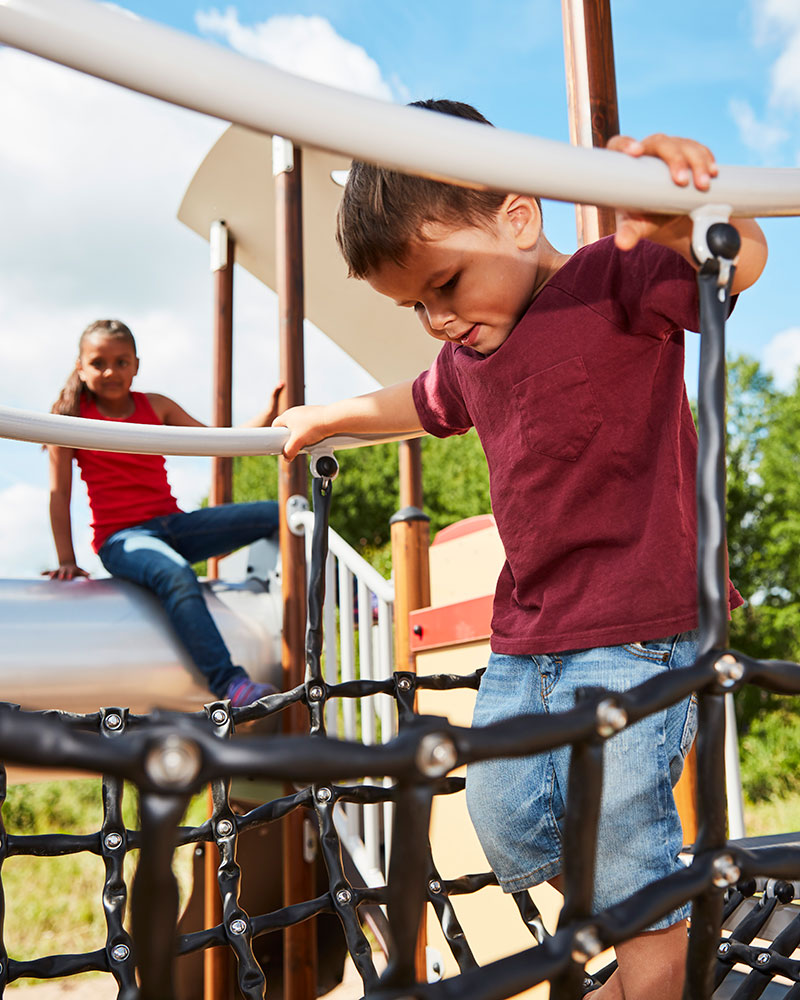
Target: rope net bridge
{"type": "Point", "coordinates": [169, 756]}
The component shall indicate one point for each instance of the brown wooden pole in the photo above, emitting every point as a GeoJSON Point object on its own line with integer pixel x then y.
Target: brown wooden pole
{"type": "Point", "coordinates": [591, 94]}
{"type": "Point", "coordinates": [300, 942]}
{"type": "Point", "coordinates": [409, 455]}
{"type": "Point", "coordinates": [410, 533]}
{"type": "Point", "coordinates": [216, 961]}
{"type": "Point", "coordinates": [594, 118]}
{"type": "Point", "coordinates": [222, 256]}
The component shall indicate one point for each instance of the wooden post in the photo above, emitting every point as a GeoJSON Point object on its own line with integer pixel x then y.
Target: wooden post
{"type": "Point", "coordinates": [222, 257]}
{"type": "Point", "coordinates": [300, 942]}
{"type": "Point", "coordinates": [591, 94]}
{"type": "Point", "coordinates": [216, 961]}
{"type": "Point", "coordinates": [593, 119]}
{"type": "Point", "coordinates": [410, 529]}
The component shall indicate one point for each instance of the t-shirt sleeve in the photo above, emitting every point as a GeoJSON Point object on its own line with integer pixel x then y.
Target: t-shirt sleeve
{"type": "Point", "coordinates": [657, 290]}
{"type": "Point", "coordinates": [438, 399]}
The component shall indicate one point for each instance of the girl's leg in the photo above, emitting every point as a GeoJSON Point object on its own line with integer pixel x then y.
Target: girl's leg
{"type": "Point", "coordinates": [140, 555]}
{"type": "Point", "coordinates": [215, 531]}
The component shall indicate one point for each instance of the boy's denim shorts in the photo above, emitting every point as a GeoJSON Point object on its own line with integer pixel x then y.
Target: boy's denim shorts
{"type": "Point", "coordinates": [517, 805]}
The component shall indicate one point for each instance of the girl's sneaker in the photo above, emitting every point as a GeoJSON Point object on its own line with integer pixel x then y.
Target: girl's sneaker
{"type": "Point", "coordinates": [243, 691]}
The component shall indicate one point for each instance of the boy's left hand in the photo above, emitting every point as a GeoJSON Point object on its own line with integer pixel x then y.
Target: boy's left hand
{"type": "Point", "coordinates": [688, 161]}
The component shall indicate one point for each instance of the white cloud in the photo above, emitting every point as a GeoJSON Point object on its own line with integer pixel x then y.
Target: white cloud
{"type": "Point", "coordinates": [91, 176]}
{"type": "Point", "coordinates": [776, 26]}
{"type": "Point", "coordinates": [778, 21]}
{"type": "Point", "coordinates": [25, 545]}
{"type": "Point", "coordinates": [757, 135]}
{"type": "Point", "coordinates": [306, 46]}
{"type": "Point", "coordinates": [781, 357]}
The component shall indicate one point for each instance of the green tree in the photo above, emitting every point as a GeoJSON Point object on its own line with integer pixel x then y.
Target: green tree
{"type": "Point", "coordinates": [764, 543]}
{"type": "Point", "coordinates": [455, 482]}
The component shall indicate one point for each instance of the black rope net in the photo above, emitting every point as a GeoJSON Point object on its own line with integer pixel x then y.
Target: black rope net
{"type": "Point", "coordinates": [747, 885]}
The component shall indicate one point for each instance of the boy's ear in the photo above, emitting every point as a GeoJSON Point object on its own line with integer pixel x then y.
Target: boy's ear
{"type": "Point", "coordinates": [521, 213]}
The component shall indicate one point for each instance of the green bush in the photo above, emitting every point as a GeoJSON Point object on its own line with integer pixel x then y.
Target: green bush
{"type": "Point", "coordinates": [770, 751]}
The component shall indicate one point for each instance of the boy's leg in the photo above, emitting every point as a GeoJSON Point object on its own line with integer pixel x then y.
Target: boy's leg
{"type": "Point", "coordinates": [215, 531]}
{"type": "Point", "coordinates": [138, 554]}
{"type": "Point", "coordinates": [639, 834]}
{"type": "Point", "coordinates": [651, 965]}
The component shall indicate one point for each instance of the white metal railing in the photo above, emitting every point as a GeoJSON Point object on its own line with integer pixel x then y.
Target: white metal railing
{"type": "Point", "coordinates": [184, 70]}
{"type": "Point", "coordinates": [358, 618]}
{"type": "Point", "coordinates": [158, 439]}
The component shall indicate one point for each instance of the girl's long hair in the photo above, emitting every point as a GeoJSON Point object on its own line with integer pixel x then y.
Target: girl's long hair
{"type": "Point", "coordinates": [68, 403]}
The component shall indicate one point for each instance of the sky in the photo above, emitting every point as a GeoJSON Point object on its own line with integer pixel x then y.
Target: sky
{"type": "Point", "coordinates": [91, 177]}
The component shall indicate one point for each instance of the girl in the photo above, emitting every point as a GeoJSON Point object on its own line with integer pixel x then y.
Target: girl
{"type": "Point", "coordinates": [140, 533]}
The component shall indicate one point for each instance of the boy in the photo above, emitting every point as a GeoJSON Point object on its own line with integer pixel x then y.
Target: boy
{"type": "Point", "coordinates": [571, 370]}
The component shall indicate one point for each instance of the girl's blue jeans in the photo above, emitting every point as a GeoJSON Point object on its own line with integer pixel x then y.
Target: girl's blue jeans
{"type": "Point", "coordinates": [158, 555]}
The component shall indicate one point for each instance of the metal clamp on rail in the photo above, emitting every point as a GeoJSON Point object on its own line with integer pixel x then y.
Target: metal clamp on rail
{"type": "Point", "coordinates": [714, 238]}
{"type": "Point", "coordinates": [323, 462]}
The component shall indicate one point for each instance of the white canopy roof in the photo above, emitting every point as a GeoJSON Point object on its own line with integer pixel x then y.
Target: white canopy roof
{"type": "Point", "coordinates": [234, 183]}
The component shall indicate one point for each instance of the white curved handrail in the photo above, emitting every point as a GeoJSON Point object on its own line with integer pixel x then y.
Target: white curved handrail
{"type": "Point", "coordinates": [184, 70]}
{"type": "Point", "coordinates": [149, 439]}
{"type": "Point", "coordinates": [140, 439]}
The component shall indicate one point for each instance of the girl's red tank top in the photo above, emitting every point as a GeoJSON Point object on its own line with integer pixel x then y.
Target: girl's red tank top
{"type": "Point", "coordinates": [124, 490]}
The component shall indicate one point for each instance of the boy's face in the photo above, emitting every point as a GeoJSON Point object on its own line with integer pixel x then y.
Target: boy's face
{"type": "Point", "coordinates": [469, 286]}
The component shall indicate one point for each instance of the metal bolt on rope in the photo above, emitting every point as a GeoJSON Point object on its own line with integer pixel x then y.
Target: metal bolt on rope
{"type": "Point", "coordinates": [435, 885]}
{"type": "Point", "coordinates": [315, 693]}
{"type": "Point", "coordinates": [120, 952]}
{"type": "Point", "coordinates": [112, 721]}
{"type": "Point", "coordinates": [219, 716]}
{"type": "Point", "coordinates": [344, 896]}
{"type": "Point", "coordinates": [173, 762]}
{"type": "Point", "coordinates": [112, 841]}
{"type": "Point", "coordinates": [237, 926]}
{"type": "Point", "coordinates": [324, 795]}
{"type": "Point", "coordinates": [763, 957]}
{"type": "Point", "coordinates": [725, 871]}
{"type": "Point", "coordinates": [586, 944]}
{"type": "Point", "coordinates": [404, 684]}
{"type": "Point", "coordinates": [723, 948]}
{"type": "Point", "coordinates": [436, 755]}
{"type": "Point", "coordinates": [224, 828]}
{"type": "Point", "coordinates": [587, 982]}
{"type": "Point", "coordinates": [610, 718]}
{"type": "Point", "coordinates": [729, 670]}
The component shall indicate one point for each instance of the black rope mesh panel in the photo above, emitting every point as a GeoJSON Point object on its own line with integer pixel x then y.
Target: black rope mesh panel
{"type": "Point", "coordinates": [749, 886]}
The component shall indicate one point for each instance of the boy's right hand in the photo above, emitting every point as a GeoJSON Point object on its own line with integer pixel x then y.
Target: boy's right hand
{"type": "Point", "coordinates": [66, 571]}
{"type": "Point", "coordinates": [306, 426]}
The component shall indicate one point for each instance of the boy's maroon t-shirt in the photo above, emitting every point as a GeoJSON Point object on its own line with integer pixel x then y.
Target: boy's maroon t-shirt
{"type": "Point", "coordinates": [591, 446]}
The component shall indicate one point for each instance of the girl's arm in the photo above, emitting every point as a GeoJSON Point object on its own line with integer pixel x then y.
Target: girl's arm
{"type": "Point", "coordinates": [387, 411]}
{"type": "Point", "coordinates": [60, 520]}
{"type": "Point", "coordinates": [171, 413]}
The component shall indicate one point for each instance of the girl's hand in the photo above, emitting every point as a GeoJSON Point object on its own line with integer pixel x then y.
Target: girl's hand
{"type": "Point", "coordinates": [687, 161]}
{"type": "Point", "coordinates": [266, 417]}
{"type": "Point", "coordinates": [66, 571]}
{"type": "Point", "coordinates": [272, 412]}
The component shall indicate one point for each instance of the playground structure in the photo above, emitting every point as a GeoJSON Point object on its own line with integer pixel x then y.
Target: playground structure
{"type": "Point", "coordinates": [167, 757]}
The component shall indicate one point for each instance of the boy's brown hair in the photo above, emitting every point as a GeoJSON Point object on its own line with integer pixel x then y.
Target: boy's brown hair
{"type": "Point", "coordinates": [383, 211]}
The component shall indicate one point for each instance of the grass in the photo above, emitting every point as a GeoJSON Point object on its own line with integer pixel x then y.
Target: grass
{"type": "Point", "coordinates": [774, 816]}
{"type": "Point", "coordinates": [54, 904]}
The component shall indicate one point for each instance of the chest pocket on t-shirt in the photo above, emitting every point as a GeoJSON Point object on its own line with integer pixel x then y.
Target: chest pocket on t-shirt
{"type": "Point", "coordinates": [558, 412]}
